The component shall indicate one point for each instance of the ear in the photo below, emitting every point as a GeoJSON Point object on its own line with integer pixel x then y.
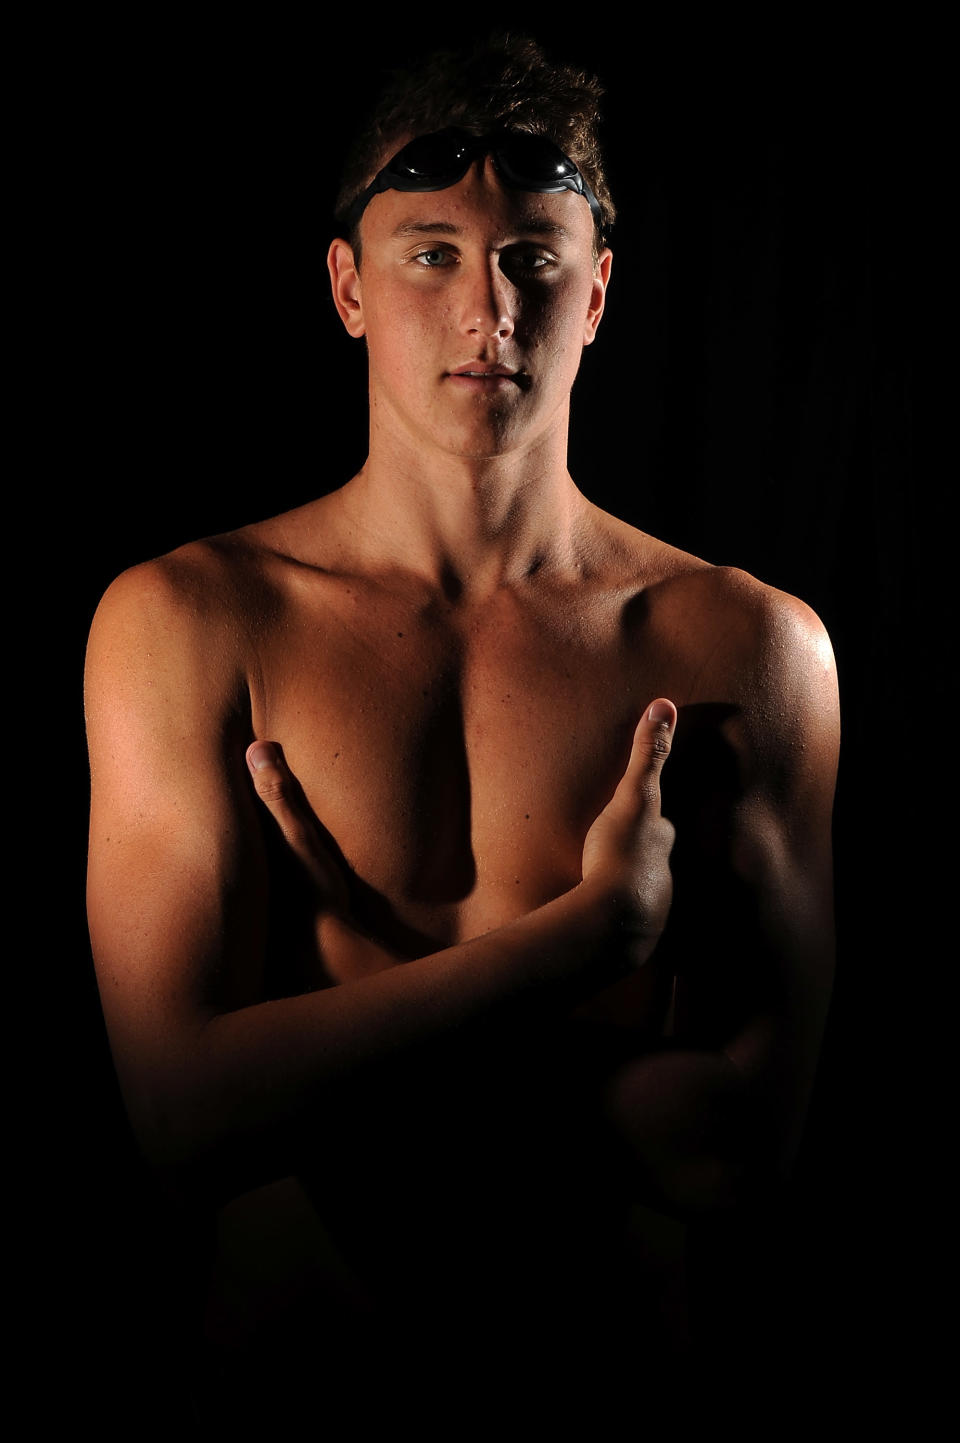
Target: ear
{"type": "Point", "coordinates": [598, 295]}
{"type": "Point", "coordinates": [345, 284]}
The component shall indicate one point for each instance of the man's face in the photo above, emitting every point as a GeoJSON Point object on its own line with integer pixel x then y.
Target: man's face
{"type": "Point", "coordinates": [476, 302]}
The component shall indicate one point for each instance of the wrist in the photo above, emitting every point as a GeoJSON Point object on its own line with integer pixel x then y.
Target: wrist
{"type": "Point", "coordinates": [623, 928]}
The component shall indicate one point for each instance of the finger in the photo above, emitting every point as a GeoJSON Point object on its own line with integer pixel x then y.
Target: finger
{"type": "Point", "coordinates": [284, 797]}
{"type": "Point", "coordinates": [652, 741]}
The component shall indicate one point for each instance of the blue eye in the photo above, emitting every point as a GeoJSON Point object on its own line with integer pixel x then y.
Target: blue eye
{"type": "Point", "coordinates": [433, 258]}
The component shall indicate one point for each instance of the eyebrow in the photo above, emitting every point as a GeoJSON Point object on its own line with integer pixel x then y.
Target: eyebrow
{"type": "Point", "coordinates": [526, 225]}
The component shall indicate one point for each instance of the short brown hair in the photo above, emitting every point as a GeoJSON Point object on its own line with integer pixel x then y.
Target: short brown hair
{"type": "Point", "coordinates": [507, 83]}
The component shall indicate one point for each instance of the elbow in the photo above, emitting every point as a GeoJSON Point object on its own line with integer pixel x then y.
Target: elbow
{"type": "Point", "coordinates": [203, 1167]}
{"type": "Point", "coordinates": [200, 1144]}
{"type": "Point", "coordinates": [174, 1145]}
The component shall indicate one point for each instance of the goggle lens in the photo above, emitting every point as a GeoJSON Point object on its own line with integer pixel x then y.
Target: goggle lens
{"type": "Point", "coordinates": [434, 162]}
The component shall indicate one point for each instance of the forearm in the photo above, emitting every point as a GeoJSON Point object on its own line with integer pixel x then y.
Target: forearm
{"type": "Point", "coordinates": [246, 1087]}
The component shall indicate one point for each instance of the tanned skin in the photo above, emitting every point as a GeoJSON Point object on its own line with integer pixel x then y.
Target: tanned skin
{"type": "Point", "coordinates": [385, 770]}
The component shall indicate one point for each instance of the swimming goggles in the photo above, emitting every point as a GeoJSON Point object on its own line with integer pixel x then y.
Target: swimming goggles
{"type": "Point", "coordinates": [434, 162]}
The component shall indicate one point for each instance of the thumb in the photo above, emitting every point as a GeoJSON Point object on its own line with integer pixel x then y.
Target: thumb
{"type": "Point", "coordinates": [272, 778]}
{"type": "Point", "coordinates": [284, 798]}
{"type": "Point", "coordinates": [279, 789]}
{"type": "Point", "coordinates": [304, 833]}
{"type": "Point", "coordinates": [652, 741]}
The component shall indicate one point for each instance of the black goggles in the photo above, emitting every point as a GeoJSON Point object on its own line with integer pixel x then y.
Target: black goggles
{"type": "Point", "coordinates": [434, 162]}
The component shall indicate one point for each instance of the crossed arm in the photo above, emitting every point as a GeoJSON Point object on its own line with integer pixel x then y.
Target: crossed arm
{"type": "Point", "coordinates": [220, 1084]}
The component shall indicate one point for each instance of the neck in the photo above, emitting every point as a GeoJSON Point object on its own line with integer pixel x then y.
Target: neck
{"type": "Point", "coordinates": [469, 524]}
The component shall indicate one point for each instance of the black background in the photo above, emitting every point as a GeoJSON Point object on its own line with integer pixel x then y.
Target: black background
{"type": "Point", "coordinates": [747, 400]}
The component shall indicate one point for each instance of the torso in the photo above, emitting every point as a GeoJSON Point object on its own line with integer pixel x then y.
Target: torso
{"type": "Point", "coordinates": [458, 754]}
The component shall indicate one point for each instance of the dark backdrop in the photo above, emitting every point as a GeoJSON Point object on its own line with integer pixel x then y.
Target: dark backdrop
{"type": "Point", "coordinates": [747, 400]}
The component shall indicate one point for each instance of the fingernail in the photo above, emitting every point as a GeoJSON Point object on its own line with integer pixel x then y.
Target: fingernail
{"type": "Point", "coordinates": [262, 755]}
{"type": "Point", "coordinates": [661, 711]}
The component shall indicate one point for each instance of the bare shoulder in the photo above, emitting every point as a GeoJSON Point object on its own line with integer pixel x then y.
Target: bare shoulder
{"type": "Point", "coordinates": [763, 666]}
{"type": "Point", "coordinates": [741, 656]}
{"type": "Point", "coordinates": [732, 630]}
{"type": "Point", "coordinates": [191, 585]}
{"type": "Point", "coordinates": [208, 598]}
{"type": "Point", "coordinates": [751, 622]}
{"type": "Point", "coordinates": [770, 648]}
{"type": "Point", "coordinates": [171, 648]}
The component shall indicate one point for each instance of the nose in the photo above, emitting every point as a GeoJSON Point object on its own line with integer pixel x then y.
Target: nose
{"type": "Point", "coordinates": [488, 301]}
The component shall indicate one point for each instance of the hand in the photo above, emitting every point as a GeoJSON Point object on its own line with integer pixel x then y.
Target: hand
{"type": "Point", "coordinates": [304, 834]}
{"type": "Point", "coordinates": [627, 849]}
{"type": "Point", "coordinates": [342, 951]}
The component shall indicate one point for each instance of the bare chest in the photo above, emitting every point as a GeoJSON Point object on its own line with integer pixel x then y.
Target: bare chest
{"type": "Point", "coordinates": [458, 765]}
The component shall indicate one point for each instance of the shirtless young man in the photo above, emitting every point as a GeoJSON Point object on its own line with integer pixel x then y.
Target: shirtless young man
{"type": "Point", "coordinates": [380, 886]}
